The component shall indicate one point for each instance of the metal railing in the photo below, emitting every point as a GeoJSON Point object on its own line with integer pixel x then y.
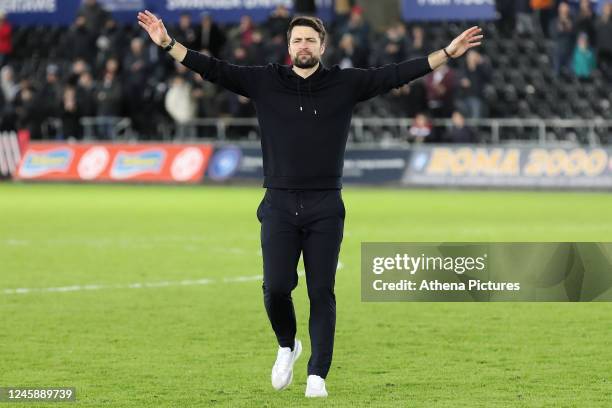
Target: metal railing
{"type": "Point", "coordinates": [371, 130]}
{"type": "Point", "coordinates": [107, 127]}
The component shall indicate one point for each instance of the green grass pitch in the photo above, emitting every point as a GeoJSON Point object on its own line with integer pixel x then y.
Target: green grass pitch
{"type": "Point", "coordinates": [211, 344]}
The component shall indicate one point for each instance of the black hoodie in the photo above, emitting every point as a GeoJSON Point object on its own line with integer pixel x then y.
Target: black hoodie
{"type": "Point", "coordinates": [304, 122]}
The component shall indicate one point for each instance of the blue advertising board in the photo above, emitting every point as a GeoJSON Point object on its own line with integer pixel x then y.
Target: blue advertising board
{"type": "Point", "coordinates": [63, 12]}
{"type": "Point", "coordinates": [430, 10]}
{"type": "Point", "coordinates": [361, 166]}
{"type": "Point", "coordinates": [516, 167]}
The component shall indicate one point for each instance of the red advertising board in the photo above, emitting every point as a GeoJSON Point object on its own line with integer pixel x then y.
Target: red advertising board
{"type": "Point", "coordinates": [170, 163]}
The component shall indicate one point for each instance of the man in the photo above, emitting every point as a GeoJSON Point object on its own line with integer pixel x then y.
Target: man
{"type": "Point", "coordinates": [304, 112]}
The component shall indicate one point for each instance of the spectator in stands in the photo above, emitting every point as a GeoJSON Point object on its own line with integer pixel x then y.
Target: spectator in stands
{"type": "Point", "coordinates": [408, 100]}
{"type": "Point", "coordinates": [524, 17]}
{"type": "Point", "coordinates": [392, 48]}
{"type": "Point", "coordinates": [239, 56]}
{"type": "Point", "coordinates": [604, 40]}
{"type": "Point", "coordinates": [417, 47]}
{"type": "Point", "coordinates": [110, 43]}
{"type": "Point", "coordinates": [77, 68]}
{"type": "Point", "coordinates": [86, 94]}
{"type": "Point", "coordinates": [181, 106]}
{"type": "Point", "coordinates": [185, 33]}
{"type": "Point", "coordinates": [6, 39]}
{"type": "Point", "coordinates": [358, 27]}
{"type": "Point", "coordinates": [305, 7]}
{"type": "Point", "coordinates": [473, 80]}
{"type": "Point", "coordinates": [205, 97]}
{"type": "Point", "coordinates": [136, 62]}
{"type": "Point", "coordinates": [210, 36]}
{"type": "Point", "coordinates": [342, 10]}
{"type": "Point", "coordinates": [109, 99]}
{"type": "Point", "coordinates": [563, 33]}
{"type": "Point", "coordinates": [50, 94]}
{"type": "Point", "coordinates": [507, 16]}
{"type": "Point", "coordinates": [440, 86]}
{"type": "Point", "coordinates": [276, 26]}
{"type": "Point", "coordinates": [348, 54]}
{"type": "Point", "coordinates": [9, 86]}
{"type": "Point", "coordinates": [421, 129]}
{"type": "Point", "coordinates": [79, 42]}
{"type": "Point", "coordinates": [9, 90]}
{"type": "Point", "coordinates": [584, 59]}
{"type": "Point", "coordinates": [136, 67]}
{"type": "Point", "coordinates": [242, 35]}
{"type": "Point", "coordinates": [545, 11]}
{"type": "Point", "coordinates": [278, 21]}
{"type": "Point", "coordinates": [278, 49]}
{"type": "Point", "coordinates": [459, 132]}
{"type": "Point", "coordinates": [70, 114]}
{"type": "Point", "coordinates": [29, 116]}
{"type": "Point", "coordinates": [95, 16]}
{"type": "Point", "coordinates": [257, 51]}
{"type": "Point", "coordinates": [585, 21]}
{"type": "Point", "coordinates": [240, 106]}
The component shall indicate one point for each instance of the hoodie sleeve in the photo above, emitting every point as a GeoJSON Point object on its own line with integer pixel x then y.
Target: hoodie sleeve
{"type": "Point", "coordinates": [372, 82]}
{"type": "Point", "coordinates": [242, 80]}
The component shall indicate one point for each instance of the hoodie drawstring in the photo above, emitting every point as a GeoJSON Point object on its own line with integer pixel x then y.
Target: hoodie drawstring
{"type": "Point", "coordinates": [310, 98]}
{"type": "Point", "coordinates": [314, 110]}
{"type": "Point", "coordinates": [299, 94]}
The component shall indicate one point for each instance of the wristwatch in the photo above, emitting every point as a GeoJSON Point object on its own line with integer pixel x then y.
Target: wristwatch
{"type": "Point", "coordinates": [169, 46]}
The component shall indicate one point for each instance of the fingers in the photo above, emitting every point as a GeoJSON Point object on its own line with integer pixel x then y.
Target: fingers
{"type": "Point", "coordinates": [471, 32]}
{"type": "Point", "coordinates": [151, 15]}
{"type": "Point", "coordinates": [143, 25]}
{"type": "Point", "coordinates": [147, 17]}
{"type": "Point", "coordinates": [143, 18]}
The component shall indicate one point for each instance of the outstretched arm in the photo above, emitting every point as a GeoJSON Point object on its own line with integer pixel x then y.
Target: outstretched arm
{"type": "Point", "coordinates": [470, 38]}
{"type": "Point", "coordinates": [376, 81]}
{"type": "Point", "coordinates": [238, 79]}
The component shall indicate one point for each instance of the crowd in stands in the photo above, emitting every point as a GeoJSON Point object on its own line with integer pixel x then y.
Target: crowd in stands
{"type": "Point", "coordinates": [98, 68]}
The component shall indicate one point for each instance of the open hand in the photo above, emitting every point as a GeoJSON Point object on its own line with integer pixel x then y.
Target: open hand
{"type": "Point", "coordinates": [470, 38]}
{"type": "Point", "coordinates": [154, 27]}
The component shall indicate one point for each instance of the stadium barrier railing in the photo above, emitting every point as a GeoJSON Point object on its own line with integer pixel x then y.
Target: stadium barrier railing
{"type": "Point", "coordinates": [370, 130]}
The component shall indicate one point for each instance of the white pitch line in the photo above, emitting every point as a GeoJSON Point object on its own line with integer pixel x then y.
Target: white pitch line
{"type": "Point", "coordinates": [140, 285]}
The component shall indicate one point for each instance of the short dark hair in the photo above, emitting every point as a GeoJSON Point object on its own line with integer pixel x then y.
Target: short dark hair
{"type": "Point", "coordinates": [308, 21]}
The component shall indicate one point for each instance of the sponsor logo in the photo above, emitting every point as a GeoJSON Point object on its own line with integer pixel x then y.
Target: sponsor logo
{"type": "Point", "coordinates": [224, 163]}
{"type": "Point", "coordinates": [187, 164]}
{"type": "Point", "coordinates": [130, 164]}
{"type": "Point", "coordinates": [93, 162]}
{"type": "Point", "coordinates": [468, 161]}
{"type": "Point", "coordinates": [122, 5]}
{"type": "Point", "coordinates": [28, 6]}
{"type": "Point", "coordinates": [38, 163]}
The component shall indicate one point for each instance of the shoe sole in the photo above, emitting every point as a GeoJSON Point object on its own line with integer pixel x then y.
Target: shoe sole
{"type": "Point", "coordinates": [298, 346]}
{"type": "Point", "coordinates": [315, 396]}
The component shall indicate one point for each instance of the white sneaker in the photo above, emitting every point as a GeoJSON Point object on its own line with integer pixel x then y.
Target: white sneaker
{"type": "Point", "coordinates": [282, 371]}
{"type": "Point", "coordinates": [315, 387]}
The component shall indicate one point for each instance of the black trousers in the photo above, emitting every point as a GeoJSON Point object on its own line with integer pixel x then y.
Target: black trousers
{"type": "Point", "coordinates": [310, 222]}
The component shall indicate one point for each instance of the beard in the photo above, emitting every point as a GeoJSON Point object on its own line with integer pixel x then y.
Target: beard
{"type": "Point", "coordinates": [305, 61]}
